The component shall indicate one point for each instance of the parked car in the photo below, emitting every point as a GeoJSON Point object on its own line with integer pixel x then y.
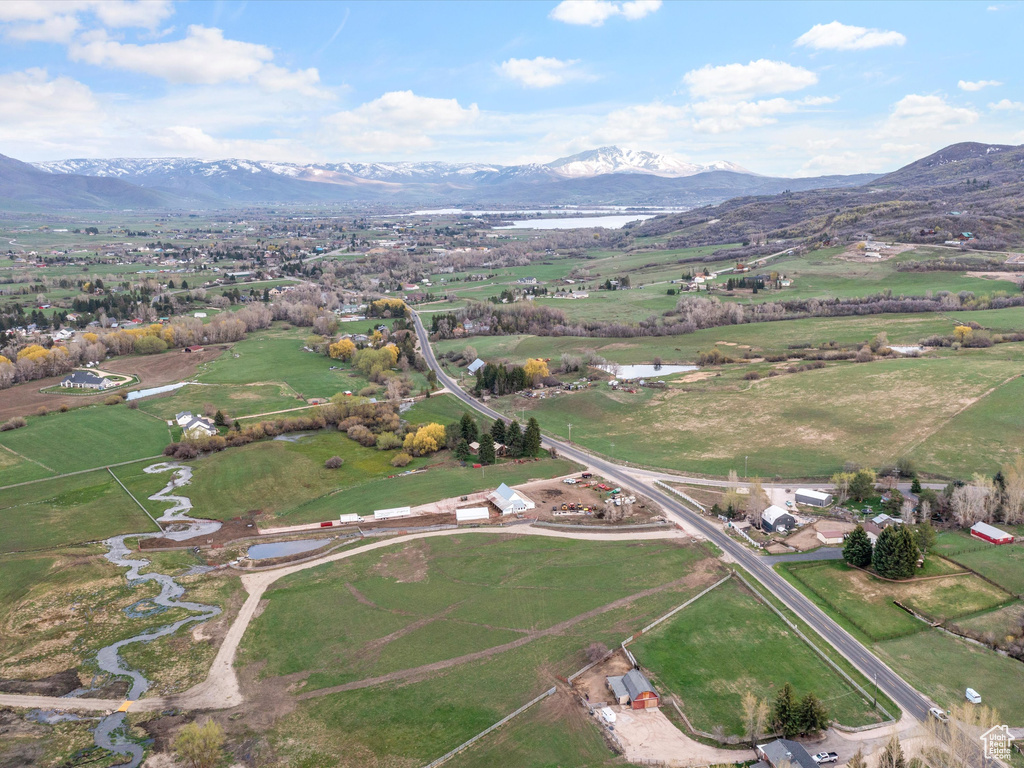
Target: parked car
{"type": "Point", "coordinates": [825, 757]}
{"type": "Point", "coordinates": [789, 504]}
{"type": "Point", "coordinates": [938, 714]}
{"type": "Point", "coordinates": [570, 481]}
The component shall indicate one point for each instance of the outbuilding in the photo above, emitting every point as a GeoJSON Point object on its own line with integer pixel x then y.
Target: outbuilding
{"type": "Point", "coordinates": [783, 752]}
{"type": "Point", "coordinates": [475, 366]}
{"type": "Point", "coordinates": [510, 501]}
{"type": "Point", "coordinates": [813, 498]}
{"type": "Point", "coordinates": [777, 520]}
{"type": "Point", "coordinates": [471, 513]}
{"type": "Point", "coordinates": [634, 689]}
{"type": "Point", "coordinates": [991, 534]}
{"type": "Point", "coordinates": [831, 538]}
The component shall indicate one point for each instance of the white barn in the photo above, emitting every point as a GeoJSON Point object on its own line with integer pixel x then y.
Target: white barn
{"type": "Point", "coordinates": [510, 501]}
{"type": "Point", "coordinates": [813, 498]}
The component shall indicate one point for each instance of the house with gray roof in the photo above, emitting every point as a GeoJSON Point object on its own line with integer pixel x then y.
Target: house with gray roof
{"type": "Point", "coordinates": [85, 380]}
{"type": "Point", "coordinates": [783, 752]}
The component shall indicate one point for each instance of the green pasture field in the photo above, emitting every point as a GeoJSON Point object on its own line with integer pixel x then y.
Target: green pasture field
{"type": "Point", "coordinates": [67, 510]}
{"type": "Point", "coordinates": [822, 274]}
{"type": "Point", "coordinates": [233, 400]}
{"type": "Point", "coordinates": [867, 601]}
{"type": "Point", "coordinates": [713, 651]}
{"type": "Point", "coordinates": [1000, 622]}
{"type": "Point", "coordinates": [440, 409]}
{"type": "Point", "coordinates": [760, 337]}
{"type": "Point", "coordinates": [1003, 564]}
{"type": "Point", "coordinates": [83, 438]}
{"type": "Point", "coordinates": [804, 424]}
{"type": "Point", "coordinates": [942, 666]}
{"type": "Point", "coordinates": [615, 306]}
{"type": "Point", "coordinates": [15, 468]}
{"type": "Point", "coordinates": [479, 584]}
{"type": "Point", "coordinates": [555, 732]}
{"type": "Point", "coordinates": [275, 355]}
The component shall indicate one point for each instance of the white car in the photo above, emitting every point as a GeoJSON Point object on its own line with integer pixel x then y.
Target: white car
{"type": "Point", "coordinates": [938, 714]}
{"type": "Point", "coordinates": [570, 481]}
{"type": "Point", "coordinates": [825, 757]}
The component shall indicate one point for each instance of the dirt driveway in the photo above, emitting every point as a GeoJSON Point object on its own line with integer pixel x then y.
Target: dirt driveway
{"type": "Point", "coordinates": [649, 735]}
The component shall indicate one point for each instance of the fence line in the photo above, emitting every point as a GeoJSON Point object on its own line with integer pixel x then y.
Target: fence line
{"type": "Point", "coordinates": [678, 492]}
{"type": "Point", "coordinates": [445, 758]}
{"type": "Point", "coordinates": [158, 526]}
{"type": "Point", "coordinates": [825, 657]}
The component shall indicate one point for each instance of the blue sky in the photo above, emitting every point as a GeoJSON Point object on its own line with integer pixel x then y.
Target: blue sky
{"type": "Point", "coordinates": [781, 88]}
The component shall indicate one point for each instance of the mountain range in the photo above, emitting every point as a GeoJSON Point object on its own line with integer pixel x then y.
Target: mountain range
{"type": "Point", "coordinates": [964, 188]}
{"type": "Point", "coordinates": [608, 175]}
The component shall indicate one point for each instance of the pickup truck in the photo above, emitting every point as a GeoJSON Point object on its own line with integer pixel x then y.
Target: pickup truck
{"type": "Point", "coordinates": [825, 757]}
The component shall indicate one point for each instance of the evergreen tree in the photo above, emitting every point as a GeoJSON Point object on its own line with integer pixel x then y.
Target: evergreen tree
{"type": "Point", "coordinates": [892, 755]}
{"type": "Point", "coordinates": [486, 453]}
{"type": "Point", "coordinates": [531, 439]}
{"type": "Point", "coordinates": [811, 715]}
{"type": "Point", "coordinates": [219, 419]}
{"type": "Point", "coordinates": [915, 486]}
{"type": "Point", "coordinates": [924, 536]}
{"type": "Point", "coordinates": [468, 429]}
{"type": "Point", "coordinates": [462, 452]}
{"type": "Point", "coordinates": [784, 712]}
{"type": "Point", "coordinates": [857, 549]}
{"type": "Point", "coordinates": [896, 553]}
{"type": "Point", "coordinates": [498, 432]}
{"type": "Point", "coordinates": [514, 439]}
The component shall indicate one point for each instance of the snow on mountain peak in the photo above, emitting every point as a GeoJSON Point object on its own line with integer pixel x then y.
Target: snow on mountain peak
{"type": "Point", "coordinates": [596, 162]}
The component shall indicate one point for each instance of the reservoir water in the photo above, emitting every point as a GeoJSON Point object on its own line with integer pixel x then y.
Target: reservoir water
{"type": "Point", "coordinates": [645, 371]}
{"type": "Point", "coordinates": [282, 548]}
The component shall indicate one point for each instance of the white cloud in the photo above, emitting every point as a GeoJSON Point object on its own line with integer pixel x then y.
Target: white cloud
{"type": "Point", "coordinates": [836, 36]}
{"type": "Point", "coordinates": [38, 110]}
{"type": "Point", "coordinates": [725, 116]}
{"type": "Point", "coordinates": [57, 20]}
{"type": "Point", "coordinates": [541, 72]}
{"type": "Point", "coordinates": [1007, 106]}
{"type": "Point", "coordinates": [594, 13]}
{"type": "Point", "coordinates": [203, 57]}
{"type": "Point", "coordinates": [916, 115]}
{"type": "Point", "coordinates": [744, 80]}
{"type": "Point", "coordinates": [977, 85]}
{"type": "Point", "coordinates": [399, 122]}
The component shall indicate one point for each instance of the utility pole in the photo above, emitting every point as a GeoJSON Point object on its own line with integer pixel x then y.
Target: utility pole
{"type": "Point", "coordinates": [744, 467]}
{"type": "Point", "coordinates": [570, 433]}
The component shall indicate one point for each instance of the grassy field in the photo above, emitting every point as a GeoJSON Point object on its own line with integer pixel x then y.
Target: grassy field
{"type": "Point", "coordinates": [934, 662]}
{"type": "Point", "coordinates": [867, 601]}
{"type": "Point", "coordinates": [53, 513]}
{"type": "Point", "coordinates": [685, 656]}
{"type": "Point", "coordinates": [88, 437]}
{"type": "Point", "coordinates": [477, 589]}
{"type": "Point", "coordinates": [275, 356]}
{"type": "Point", "coordinates": [233, 400]}
{"type": "Point", "coordinates": [795, 425]}
{"type": "Point", "coordinates": [1003, 564]}
{"type": "Point", "coordinates": [942, 666]}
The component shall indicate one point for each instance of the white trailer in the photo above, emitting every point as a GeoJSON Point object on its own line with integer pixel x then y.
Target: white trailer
{"type": "Point", "coordinates": [351, 518]}
{"type": "Point", "coordinates": [388, 514]}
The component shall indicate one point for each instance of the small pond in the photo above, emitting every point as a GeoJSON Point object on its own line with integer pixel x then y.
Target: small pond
{"type": "Point", "coordinates": [155, 390]}
{"type": "Point", "coordinates": [645, 371]}
{"type": "Point", "coordinates": [282, 548]}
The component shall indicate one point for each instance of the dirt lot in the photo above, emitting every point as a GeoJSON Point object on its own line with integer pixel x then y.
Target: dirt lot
{"type": "Point", "coordinates": [152, 370]}
{"type": "Point", "coordinates": [649, 735]}
{"type": "Point", "coordinates": [554, 493]}
{"type": "Point", "coordinates": [591, 684]}
{"type": "Point", "coordinates": [855, 253]}
{"type": "Point", "coordinates": [807, 537]}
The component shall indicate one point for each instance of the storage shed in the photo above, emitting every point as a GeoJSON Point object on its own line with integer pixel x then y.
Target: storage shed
{"type": "Point", "coordinates": [777, 520]}
{"type": "Point", "coordinates": [991, 534]}
{"type": "Point", "coordinates": [634, 689]}
{"type": "Point", "coordinates": [830, 538]}
{"type": "Point", "coordinates": [813, 498]}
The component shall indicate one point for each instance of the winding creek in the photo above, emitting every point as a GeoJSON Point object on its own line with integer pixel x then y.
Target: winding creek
{"type": "Point", "coordinates": [178, 526]}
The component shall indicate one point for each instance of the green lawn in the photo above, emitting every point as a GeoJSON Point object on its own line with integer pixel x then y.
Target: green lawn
{"type": "Point", "coordinates": [17, 469]}
{"type": "Point", "coordinates": [1003, 564]}
{"type": "Point", "coordinates": [66, 510]}
{"type": "Point", "coordinates": [729, 642]}
{"type": "Point", "coordinates": [867, 602]}
{"type": "Point", "coordinates": [942, 666]}
{"type": "Point", "coordinates": [88, 437]}
{"type": "Point", "coordinates": [313, 622]}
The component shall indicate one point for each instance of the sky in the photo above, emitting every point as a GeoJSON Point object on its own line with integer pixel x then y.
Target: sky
{"type": "Point", "coordinates": [787, 89]}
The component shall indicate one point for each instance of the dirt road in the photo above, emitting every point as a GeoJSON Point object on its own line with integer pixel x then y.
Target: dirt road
{"type": "Point", "coordinates": [221, 690]}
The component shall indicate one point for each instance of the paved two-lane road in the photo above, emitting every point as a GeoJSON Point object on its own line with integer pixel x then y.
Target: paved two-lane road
{"type": "Point", "coordinates": [913, 703]}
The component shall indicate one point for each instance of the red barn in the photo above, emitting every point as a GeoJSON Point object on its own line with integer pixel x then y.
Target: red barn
{"type": "Point", "coordinates": [990, 533]}
{"type": "Point", "coordinates": [634, 689]}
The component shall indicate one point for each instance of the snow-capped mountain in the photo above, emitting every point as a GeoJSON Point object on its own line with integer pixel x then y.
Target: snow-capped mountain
{"type": "Point", "coordinates": [596, 162]}
{"type": "Point", "coordinates": [609, 176]}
